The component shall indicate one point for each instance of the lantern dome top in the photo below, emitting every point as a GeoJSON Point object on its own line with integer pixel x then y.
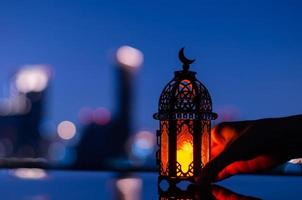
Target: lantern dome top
{"type": "Point", "coordinates": [185, 96]}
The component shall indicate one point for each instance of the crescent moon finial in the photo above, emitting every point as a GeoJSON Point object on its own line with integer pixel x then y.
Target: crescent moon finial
{"type": "Point", "coordinates": [186, 62]}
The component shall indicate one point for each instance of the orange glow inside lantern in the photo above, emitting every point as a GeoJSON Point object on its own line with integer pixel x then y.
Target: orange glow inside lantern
{"type": "Point", "coordinates": [184, 149]}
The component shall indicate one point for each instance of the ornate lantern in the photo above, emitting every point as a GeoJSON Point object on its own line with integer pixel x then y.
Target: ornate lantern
{"type": "Point", "coordinates": [185, 114]}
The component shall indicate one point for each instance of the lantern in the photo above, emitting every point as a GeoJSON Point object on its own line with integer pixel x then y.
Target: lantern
{"type": "Point", "coordinates": [185, 114]}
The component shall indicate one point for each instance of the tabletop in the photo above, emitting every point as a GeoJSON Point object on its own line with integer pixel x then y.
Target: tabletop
{"type": "Point", "coordinates": [38, 184]}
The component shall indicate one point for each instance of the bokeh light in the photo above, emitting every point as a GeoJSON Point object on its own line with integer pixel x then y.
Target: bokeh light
{"type": "Point", "coordinates": [56, 152]}
{"type": "Point", "coordinates": [129, 188]}
{"type": "Point", "coordinates": [101, 116]}
{"type": "Point", "coordinates": [32, 173]}
{"type": "Point", "coordinates": [227, 113]}
{"type": "Point", "coordinates": [66, 130]}
{"type": "Point", "coordinates": [142, 145]}
{"type": "Point", "coordinates": [5, 107]}
{"type": "Point", "coordinates": [62, 154]}
{"type": "Point", "coordinates": [85, 115]}
{"type": "Point", "coordinates": [129, 57]}
{"type": "Point", "coordinates": [32, 78]}
{"type": "Point", "coordinates": [18, 104]}
{"type": "Point", "coordinates": [296, 161]}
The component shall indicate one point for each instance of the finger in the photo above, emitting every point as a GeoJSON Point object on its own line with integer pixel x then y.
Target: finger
{"type": "Point", "coordinates": [221, 136]}
{"type": "Point", "coordinates": [250, 166]}
{"type": "Point", "coordinates": [233, 153]}
{"type": "Point", "coordinates": [216, 149]}
{"type": "Point", "coordinates": [238, 150]}
{"type": "Point", "coordinates": [216, 137]}
{"type": "Point", "coordinates": [215, 166]}
{"type": "Point", "coordinates": [224, 133]}
{"type": "Point", "coordinates": [258, 164]}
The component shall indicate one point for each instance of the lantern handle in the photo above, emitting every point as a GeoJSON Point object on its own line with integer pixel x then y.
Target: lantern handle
{"type": "Point", "coordinates": [185, 61]}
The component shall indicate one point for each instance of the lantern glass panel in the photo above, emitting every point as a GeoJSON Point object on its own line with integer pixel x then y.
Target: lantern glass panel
{"type": "Point", "coordinates": [184, 153]}
{"type": "Point", "coordinates": [205, 142]}
{"type": "Point", "coordinates": [185, 86]}
{"type": "Point", "coordinates": [164, 145]}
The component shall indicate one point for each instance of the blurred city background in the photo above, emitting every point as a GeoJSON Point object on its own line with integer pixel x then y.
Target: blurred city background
{"type": "Point", "coordinates": [80, 80]}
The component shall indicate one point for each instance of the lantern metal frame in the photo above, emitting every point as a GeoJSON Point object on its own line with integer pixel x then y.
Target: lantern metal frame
{"type": "Point", "coordinates": [183, 101]}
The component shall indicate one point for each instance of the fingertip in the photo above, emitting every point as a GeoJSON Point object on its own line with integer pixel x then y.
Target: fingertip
{"type": "Point", "coordinates": [223, 175]}
{"type": "Point", "coordinates": [212, 169]}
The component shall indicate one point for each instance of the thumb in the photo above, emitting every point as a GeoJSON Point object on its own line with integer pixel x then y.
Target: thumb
{"type": "Point", "coordinates": [212, 168]}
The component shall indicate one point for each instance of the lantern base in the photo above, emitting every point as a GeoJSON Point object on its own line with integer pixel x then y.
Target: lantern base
{"type": "Point", "coordinates": [173, 181]}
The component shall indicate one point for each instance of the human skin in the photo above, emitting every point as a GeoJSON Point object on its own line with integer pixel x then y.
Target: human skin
{"type": "Point", "coordinates": [252, 146]}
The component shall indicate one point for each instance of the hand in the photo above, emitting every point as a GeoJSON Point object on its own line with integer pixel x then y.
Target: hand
{"type": "Point", "coordinates": [252, 146]}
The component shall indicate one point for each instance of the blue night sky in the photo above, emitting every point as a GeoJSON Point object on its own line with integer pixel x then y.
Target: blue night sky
{"type": "Point", "coordinates": [248, 52]}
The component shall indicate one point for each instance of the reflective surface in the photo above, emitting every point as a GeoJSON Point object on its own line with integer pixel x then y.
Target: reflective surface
{"type": "Point", "coordinates": [30, 184]}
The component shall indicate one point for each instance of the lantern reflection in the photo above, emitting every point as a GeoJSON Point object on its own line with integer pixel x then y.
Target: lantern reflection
{"type": "Point", "coordinates": [204, 192]}
{"type": "Point", "coordinates": [129, 188]}
{"type": "Point", "coordinates": [27, 173]}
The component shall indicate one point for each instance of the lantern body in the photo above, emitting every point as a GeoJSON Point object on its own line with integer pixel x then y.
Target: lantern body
{"type": "Point", "coordinates": [185, 114]}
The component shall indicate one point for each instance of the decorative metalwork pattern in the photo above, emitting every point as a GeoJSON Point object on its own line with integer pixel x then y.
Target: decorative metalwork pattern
{"type": "Point", "coordinates": [166, 97]}
{"type": "Point", "coordinates": [180, 173]}
{"type": "Point", "coordinates": [205, 98]}
{"type": "Point", "coordinates": [182, 122]}
{"type": "Point", "coordinates": [185, 97]}
{"type": "Point", "coordinates": [164, 171]}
